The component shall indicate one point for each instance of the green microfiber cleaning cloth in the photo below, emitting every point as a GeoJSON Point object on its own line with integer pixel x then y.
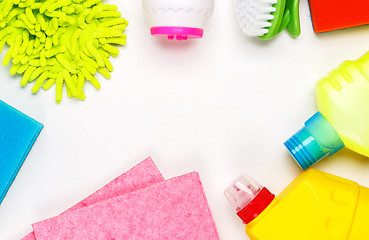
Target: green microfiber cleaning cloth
{"type": "Point", "coordinates": [60, 41]}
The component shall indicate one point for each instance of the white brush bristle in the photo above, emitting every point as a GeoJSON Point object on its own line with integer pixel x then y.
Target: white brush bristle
{"type": "Point", "coordinates": [253, 16]}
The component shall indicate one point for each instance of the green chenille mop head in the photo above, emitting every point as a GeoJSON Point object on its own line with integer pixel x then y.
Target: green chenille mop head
{"type": "Point", "coordinates": [60, 41]}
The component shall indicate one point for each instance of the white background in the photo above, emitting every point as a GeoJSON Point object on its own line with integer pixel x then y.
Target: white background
{"type": "Point", "coordinates": [221, 106]}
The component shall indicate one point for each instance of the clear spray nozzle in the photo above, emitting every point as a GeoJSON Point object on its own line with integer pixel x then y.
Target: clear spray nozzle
{"type": "Point", "coordinates": [248, 198]}
{"type": "Point", "coordinates": [242, 191]}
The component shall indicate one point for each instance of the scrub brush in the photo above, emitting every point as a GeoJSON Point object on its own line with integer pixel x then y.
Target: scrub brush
{"type": "Point", "coordinates": [267, 18]}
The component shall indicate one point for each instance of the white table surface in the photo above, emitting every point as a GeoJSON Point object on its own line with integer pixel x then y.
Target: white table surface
{"type": "Point", "coordinates": [221, 106]}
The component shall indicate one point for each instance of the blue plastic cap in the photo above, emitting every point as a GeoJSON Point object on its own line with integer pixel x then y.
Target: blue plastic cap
{"type": "Point", "coordinates": [313, 142]}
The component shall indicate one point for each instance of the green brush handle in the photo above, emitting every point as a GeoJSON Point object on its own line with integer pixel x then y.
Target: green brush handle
{"type": "Point", "coordinates": [292, 17]}
{"type": "Point", "coordinates": [285, 16]}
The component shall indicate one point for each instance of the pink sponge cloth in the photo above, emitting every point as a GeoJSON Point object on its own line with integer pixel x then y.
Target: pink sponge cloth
{"type": "Point", "coordinates": [140, 176]}
{"type": "Point", "coordinates": [173, 209]}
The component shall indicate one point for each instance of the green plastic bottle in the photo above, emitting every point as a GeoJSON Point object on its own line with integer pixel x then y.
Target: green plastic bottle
{"type": "Point", "coordinates": [343, 116]}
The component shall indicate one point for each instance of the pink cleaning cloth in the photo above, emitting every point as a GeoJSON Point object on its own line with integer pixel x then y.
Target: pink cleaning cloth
{"type": "Point", "coordinates": [173, 209]}
{"type": "Point", "coordinates": [140, 176]}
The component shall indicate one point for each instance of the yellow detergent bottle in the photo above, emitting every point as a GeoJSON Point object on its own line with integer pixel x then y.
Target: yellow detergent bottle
{"type": "Point", "coordinates": [343, 117]}
{"type": "Point", "coordinates": [315, 206]}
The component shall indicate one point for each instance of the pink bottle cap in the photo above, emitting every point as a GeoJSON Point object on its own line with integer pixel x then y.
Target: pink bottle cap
{"type": "Point", "coordinates": [179, 33]}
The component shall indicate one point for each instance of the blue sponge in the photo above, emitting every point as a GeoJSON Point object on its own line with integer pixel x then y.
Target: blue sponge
{"type": "Point", "coordinates": [18, 132]}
